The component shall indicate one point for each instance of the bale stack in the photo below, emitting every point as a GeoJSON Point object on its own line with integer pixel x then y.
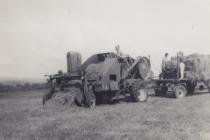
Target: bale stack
{"type": "Point", "coordinates": [197, 67]}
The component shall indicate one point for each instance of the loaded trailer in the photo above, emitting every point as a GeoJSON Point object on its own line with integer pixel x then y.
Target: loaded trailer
{"type": "Point", "coordinates": [178, 88]}
{"type": "Point", "coordinates": [171, 83]}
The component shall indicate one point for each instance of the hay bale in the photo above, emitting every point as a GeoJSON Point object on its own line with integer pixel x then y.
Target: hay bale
{"type": "Point", "coordinates": [197, 67]}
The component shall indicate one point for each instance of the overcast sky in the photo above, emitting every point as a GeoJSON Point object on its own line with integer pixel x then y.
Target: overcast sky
{"type": "Point", "coordinates": [36, 34]}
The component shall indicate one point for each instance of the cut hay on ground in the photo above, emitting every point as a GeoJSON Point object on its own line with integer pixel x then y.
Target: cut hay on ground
{"type": "Point", "coordinates": [66, 98]}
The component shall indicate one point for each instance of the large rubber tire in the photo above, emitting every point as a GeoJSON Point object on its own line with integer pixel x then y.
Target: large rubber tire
{"type": "Point", "coordinates": [138, 92]}
{"type": "Point", "coordinates": [90, 99]}
{"type": "Point", "coordinates": [180, 91]}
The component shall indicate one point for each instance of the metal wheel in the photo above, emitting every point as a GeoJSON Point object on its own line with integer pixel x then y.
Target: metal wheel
{"type": "Point", "coordinates": [180, 91]}
{"type": "Point", "coordinates": [142, 95]}
{"type": "Point", "coordinates": [138, 92]}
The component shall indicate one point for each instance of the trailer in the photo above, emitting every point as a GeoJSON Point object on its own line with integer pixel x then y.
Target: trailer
{"type": "Point", "coordinates": [170, 83]}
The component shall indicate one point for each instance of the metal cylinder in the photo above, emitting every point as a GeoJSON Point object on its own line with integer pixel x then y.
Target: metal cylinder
{"type": "Point", "coordinates": [74, 61]}
{"type": "Point", "coordinates": [144, 68]}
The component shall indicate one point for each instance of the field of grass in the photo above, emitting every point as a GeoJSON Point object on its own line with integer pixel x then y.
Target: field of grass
{"type": "Point", "coordinates": [22, 117]}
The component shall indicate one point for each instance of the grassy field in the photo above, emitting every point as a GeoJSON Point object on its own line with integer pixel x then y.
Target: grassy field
{"type": "Point", "coordinates": [22, 117]}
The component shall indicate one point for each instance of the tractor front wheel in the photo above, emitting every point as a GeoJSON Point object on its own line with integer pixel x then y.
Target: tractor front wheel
{"type": "Point", "coordinates": [180, 91]}
{"type": "Point", "coordinates": [138, 92]}
{"type": "Point", "coordinates": [142, 95]}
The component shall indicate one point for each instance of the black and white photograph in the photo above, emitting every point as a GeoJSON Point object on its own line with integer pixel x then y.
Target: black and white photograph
{"type": "Point", "coordinates": [104, 69]}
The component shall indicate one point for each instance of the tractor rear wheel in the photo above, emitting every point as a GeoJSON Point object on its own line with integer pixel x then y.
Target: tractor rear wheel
{"type": "Point", "coordinates": [180, 91]}
{"type": "Point", "coordinates": [138, 92]}
{"type": "Point", "coordinates": [90, 99]}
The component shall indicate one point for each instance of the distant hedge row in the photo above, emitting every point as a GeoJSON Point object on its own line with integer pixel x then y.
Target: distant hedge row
{"type": "Point", "coordinates": [22, 87]}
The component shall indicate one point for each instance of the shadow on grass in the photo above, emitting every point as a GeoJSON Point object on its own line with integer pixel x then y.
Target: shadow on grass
{"type": "Point", "coordinates": [172, 96]}
{"type": "Point", "coordinates": [198, 93]}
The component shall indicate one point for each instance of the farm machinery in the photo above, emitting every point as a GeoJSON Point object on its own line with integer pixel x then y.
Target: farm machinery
{"type": "Point", "coordinates": [103, 77]}
{"type": "Point", "coordinates": [171, 83]}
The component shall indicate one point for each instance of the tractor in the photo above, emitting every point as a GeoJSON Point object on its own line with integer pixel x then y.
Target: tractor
{"type": "Point", "coordinates": [170, 83]}
{"type": "Point", "coordinates": [103, 77]}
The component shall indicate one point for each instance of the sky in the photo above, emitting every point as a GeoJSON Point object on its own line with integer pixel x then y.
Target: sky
{"type": "Point", "coordinates": [35, 35]}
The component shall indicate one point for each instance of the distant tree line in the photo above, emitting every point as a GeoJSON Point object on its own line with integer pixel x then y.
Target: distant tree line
{"type": "Point", "coordinates": [22, 87]}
